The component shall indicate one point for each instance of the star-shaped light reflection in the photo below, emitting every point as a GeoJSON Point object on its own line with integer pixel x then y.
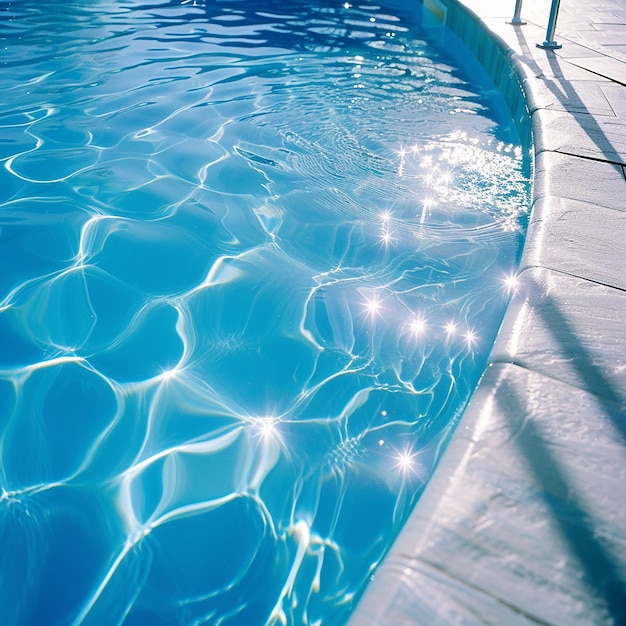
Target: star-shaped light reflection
{"type": "Point", "coordinates": [427, 204]}
{"type": "Point", "coordinates": [511, 283]}
{"type": "Point", "coordinates": [373, 306]}
{"type": "Point", "coordinates": [445, 178]}
{"type": "Point", "coordinates": [386, 238]}
{"type": "Point", "coordinates": [450, 329]}
{"type": "Point", "coordinates": [417, 326]}
{"type": "Point", "coordinates": [171, 374]}
{"type": "Point", "coordinates": [267, 428]}
{"type": "Point", "coordinates": [406, 462]}
{"type": "Point", "coordinates": [470, 338]}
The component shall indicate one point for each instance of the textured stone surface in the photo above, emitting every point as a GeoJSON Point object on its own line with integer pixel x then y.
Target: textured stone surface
{"type": "Point", "coordinates": [616, 96]}
{"type": "Point", "coordinates": [522, 41]}
{"type": "Point", "coordinates": [568, 329]}
{"type": "Point", "coordinates": [578, 238]}
{"type": "Point", "coordinates": [558, 94]}
{"type": "Point", "coordinates": [581, 134]}
{"type": "Point", "coordinates": [569, 176]}
{"type": "Point", "coordinates": [606, 67]}
{"type": "Point", "coordinates": [519, 525]}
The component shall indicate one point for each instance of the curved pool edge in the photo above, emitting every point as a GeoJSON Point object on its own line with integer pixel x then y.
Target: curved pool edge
{"type": "Point", "coordinates": [522, 521]}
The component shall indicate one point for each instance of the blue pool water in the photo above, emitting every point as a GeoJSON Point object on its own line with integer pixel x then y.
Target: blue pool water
{"type": "Point", "coordinates": [253, 256]}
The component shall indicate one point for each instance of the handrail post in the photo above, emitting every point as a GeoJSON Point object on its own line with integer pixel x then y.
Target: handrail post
{"type": "Point", "coordinates": [517, 17]}
{"type": "Point", "coordinates": [549, 43]}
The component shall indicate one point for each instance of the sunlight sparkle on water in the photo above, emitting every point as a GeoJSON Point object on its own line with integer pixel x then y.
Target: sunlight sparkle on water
{"type": "Point", "coordinates": [470, 338]}
{"type": "Point", "coordinates": [417, 326]}
{"type": "Point", "coordinates": [267, 427]}
{"type": "Point", "coordinates": [386, 238]}
{"type": "Point", "coordinates": [427, 204]}
{"type": "Point", "coordinates": [170, 374]}
{"type": "Point", "coordinates": [373, 306]}
{"type": "Point", "coordinates": [450, 329]}
{"type": "Point", "coordinates": [268, 342]}
{"type": "Point", "coordinates": [406, 462]}
{"type": "Point", "coordinates": [511, 283]}
{"type": "Point", "coordinates": [427, 161]}
{"type": "Point", "coordinates": [446, 177]}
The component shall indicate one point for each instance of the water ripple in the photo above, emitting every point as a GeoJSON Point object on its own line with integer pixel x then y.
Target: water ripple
{"type": "Point", "coordinates": [252, 261]}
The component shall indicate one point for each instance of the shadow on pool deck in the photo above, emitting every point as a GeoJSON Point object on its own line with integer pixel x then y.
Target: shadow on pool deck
{"type": "Point", "coordinates": [576, 524]}
{"type": "Point", "coordinates": [522, 522]}
{"type": "Point", "coordinates": [582, 360]}
{"type": "Point", "coordinates": [563, 92]}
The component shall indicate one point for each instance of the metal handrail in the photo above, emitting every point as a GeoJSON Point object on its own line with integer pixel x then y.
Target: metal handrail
{"type": "Point", "coordinates": [549, 43]}
{"type": "Point", "coordinates": [517, 17]}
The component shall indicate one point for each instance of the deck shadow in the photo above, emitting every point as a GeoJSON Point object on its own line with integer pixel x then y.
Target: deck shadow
{"type": "Point", "coordinates": [575, 524]}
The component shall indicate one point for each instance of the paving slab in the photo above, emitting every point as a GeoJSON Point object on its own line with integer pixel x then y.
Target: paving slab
{"type": "Point", "coordinates": [568, 176]}
{"type": "Point", "coordinates": [558, 94]}
{"type": "Point", "coordinates": [606, 67]}
{"type": "Point", "coordinates": [569, 329]}
{"type": "Point", "coordinates": [616, 96]}
{"type": "Point", "coordinates": [518, 525]}
{"type": "Point", "coordinates": [522, 41]}
{"type": "Point", "coordinates": [593, 137]}
{"type": "Point", "coordinates": [578, 238]}
{"type": "Point", "coordinates": [606, 37]}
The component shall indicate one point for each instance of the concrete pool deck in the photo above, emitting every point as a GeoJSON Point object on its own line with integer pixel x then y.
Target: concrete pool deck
{"type": "Point", "coordinates": [524, 520]}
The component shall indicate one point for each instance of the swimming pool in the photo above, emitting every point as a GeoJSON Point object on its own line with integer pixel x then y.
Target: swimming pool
{"type": "Point", "coordinates": [252, 261]}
